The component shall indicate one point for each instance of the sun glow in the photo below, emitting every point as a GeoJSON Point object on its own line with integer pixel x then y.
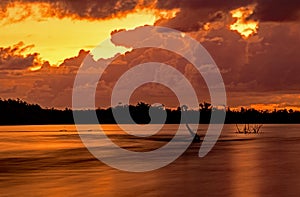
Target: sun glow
{"type": "Point", "coordinates": [244, 26]}
{"type": "Point", "coordinates": [57, 37]}
{"type": "Point", "coordinates": [35, 68]}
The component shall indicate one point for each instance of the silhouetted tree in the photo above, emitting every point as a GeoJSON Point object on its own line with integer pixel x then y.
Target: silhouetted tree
{"type": "Point", "coordinates": [16, 112]}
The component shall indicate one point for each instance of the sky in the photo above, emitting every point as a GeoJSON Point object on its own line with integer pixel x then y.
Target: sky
{"type": "Point", "coordinates": [255, 44]}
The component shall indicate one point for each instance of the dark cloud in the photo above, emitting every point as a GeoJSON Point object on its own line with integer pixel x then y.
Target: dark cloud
{"type": "Point", "coordinates": [149, 93]}
{"type": "Point", "coordinates": [53, 86]}
{"type": "Point", "coordinates": [73, 63]}
{"type": "Point", "coordinates": [49, 86]}
{"type": "Point", "coordinates": [277, 10]}
{"type": "Point", "coordinates": [87, 9]}
{"type": "Point", "coordinates": [274, 63]}
{"type": "Point", "coordinates": [273, 66]}
{"type": "Point", "coordinates": [193, 14]}
{"type": "Point", "coordinates": [203, 4]}
{"type": "Point", "coordinates": [267, 10]}
{"type": "Point", "coordinates": [94, 8]}
{"type": "Point", "coordinates": [272, 69]}
{"type": "Point", "coordinates": [13, 58]}
{"type": "Point", "coordinates": [270, 75]}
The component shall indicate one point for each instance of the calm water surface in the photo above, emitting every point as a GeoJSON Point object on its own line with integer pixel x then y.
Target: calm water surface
{"type": "Point", "coordinates": [52, 161]}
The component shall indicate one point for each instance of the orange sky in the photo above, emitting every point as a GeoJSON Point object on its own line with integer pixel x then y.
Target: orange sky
{"type": "Point", "coordinates": [254, 43]}
{"type": "Point", "coordinates": [58, 38]}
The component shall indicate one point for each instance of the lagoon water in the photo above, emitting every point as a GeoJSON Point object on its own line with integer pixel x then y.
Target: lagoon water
{"type": "Point", "coordinates": [52, 161]}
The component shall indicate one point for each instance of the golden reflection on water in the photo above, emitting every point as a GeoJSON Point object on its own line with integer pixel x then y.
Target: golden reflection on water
{"type": "Point", "coordinates": [245, 176]}
{"type": "Point", "coordinates": [52, 161]}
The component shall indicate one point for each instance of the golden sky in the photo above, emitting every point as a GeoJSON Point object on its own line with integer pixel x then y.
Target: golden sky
{"type": "Point", "coordinates": [255, 44]}
{"type": "Point", "coordinates": [57, 38]}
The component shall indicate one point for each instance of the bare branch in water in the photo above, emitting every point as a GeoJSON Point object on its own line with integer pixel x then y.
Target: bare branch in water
{"type": "Point", "coordinates": [255, 128]}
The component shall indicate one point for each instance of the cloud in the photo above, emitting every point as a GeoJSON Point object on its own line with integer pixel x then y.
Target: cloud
{"type": "Point", "coordinates": [270, 75]}
{"type": "Point", "coordinates": [49, 86]}
{"type": "Point", "coordinates": [272, 69]}
{"type": "Point", "coordinates": [274, 63]}
{"type": "Point", "coordinates": [15, 57]}
{"type": "Point", "coordinates": [192, 16]}
{"type": "Point", "coordinates": [195, 14]}
{"type": "Point", "coordinates": [53, 85]}
{"type": "Point", "coordinates": [17, 11]}
{"type": "Point", "coordinates": [275, 10]}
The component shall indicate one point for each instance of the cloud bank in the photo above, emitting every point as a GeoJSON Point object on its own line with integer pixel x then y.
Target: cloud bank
{"type": "Point", "coordinates": [269, 76]}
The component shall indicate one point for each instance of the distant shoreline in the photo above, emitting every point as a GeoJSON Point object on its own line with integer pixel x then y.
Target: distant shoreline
{"type": "Point", "coordinates": [2, 125]}
{"type": "Point", "coordinates": [18, 112]}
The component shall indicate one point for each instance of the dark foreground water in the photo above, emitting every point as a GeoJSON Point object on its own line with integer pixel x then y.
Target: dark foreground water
{"type": "Point", "coordinates": [52, 161]}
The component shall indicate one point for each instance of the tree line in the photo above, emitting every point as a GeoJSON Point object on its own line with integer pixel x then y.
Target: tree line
{"type": "Point", "coordinates": [19, 112]}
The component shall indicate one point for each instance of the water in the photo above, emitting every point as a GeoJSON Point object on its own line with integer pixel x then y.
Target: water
{"type": "Point", "coordinates": [52, 161]}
